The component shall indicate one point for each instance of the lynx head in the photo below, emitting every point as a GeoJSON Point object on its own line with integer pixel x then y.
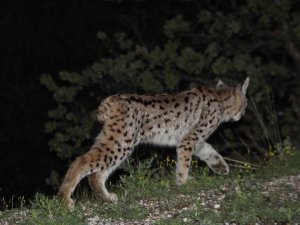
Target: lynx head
{"type": "Point", "coordinates": [233, 99]}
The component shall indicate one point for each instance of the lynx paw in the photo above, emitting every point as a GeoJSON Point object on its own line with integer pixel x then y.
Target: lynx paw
{"type": "Point", "coordinates": [69, 203]}
{"type": "Point", "coordinates": [111, 197]}
{"type": "Point", "coordinates": [182, 179]}
{"type": "Point", "coordinates": [218, 165]}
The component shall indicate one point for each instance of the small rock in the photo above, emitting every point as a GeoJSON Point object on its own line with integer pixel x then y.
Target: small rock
{"type": "Point", "coordinates": [217, 206]}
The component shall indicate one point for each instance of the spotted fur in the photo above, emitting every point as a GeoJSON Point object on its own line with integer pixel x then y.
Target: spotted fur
{"type": "Point", "coordinates": [184, 120]}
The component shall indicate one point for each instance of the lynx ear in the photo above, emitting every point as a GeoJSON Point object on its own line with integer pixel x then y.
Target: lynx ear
{"type": "Point", "coordinates": [220, 84]}
{"type": "Point", "coordinates": [245, 85]}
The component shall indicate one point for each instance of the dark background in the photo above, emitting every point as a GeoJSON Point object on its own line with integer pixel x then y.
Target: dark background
{"type": "Point", "coordinates": [45, 37]}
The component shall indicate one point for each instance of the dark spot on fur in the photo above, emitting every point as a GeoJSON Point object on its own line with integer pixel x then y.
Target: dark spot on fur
{"type": "Point", "coordinates": [146, 103]}
{"type": "Point", "coordinates": [97, 148]}
{"type": "Point", "coordinates": [186, 99]}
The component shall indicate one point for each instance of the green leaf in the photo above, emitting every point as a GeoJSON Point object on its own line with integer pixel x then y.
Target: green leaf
{"type": "Point", "coordinates": [221, 65]}
{"type": "Point", "coordinates": [51, 126]}
{"type": "Point", "coordinates": [47, 80]}
{"type": "Point", "coordinates": [124, 44]}
{"type": "Point", "coordinates": [176, 26]}
{"type": "Point", "coordinates": [171, 80]}
{"type": "Point", "coordinates": [71, 77]}
{"type": "Point", "coordinates": [101, 35]}
{"type": "Point", "coordinates": [191, 62]}
{"type": "Point", "coordinates": [240, 62]}
{"type": "Point", "coordinates": [204, 16]}
{"type": "Point", "coordinates": [211, 51]}
{"type": "Point", "coordinates": [149, 83]}
{"type": "Point", "coordinates": [233, 27]}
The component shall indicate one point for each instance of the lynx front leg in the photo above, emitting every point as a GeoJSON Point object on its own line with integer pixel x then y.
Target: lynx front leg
{"type": "Point", "coordinates": [184, 157]}
{"type": "Point", "coordinates": [212, 158]}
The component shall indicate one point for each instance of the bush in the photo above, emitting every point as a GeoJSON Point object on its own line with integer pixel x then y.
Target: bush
{"type": "Point", "coordinates": [224, 40]}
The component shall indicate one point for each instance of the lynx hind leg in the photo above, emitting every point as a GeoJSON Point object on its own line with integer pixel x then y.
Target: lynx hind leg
{"type": "Point", "coordinates": [95, 161]}
{"type": "Point", "coordinates": [212, 158]}
{"type": "Point", "coordinates": [75, 173]}
{"type": "Point", "coordinates": [97, 183]}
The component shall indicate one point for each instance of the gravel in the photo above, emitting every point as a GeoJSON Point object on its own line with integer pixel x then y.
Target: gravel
{"type": "Point", "coordinates": [287, 188]}
{"type": "Point", "coordinates": [211, 199]}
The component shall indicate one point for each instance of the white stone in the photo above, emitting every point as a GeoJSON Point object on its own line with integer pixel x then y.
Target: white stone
{"type": "Point", "coordinates": [217, 206]}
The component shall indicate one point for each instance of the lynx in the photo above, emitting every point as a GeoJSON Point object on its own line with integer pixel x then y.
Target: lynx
{"type": "Point", "coordinates": [184, 120]}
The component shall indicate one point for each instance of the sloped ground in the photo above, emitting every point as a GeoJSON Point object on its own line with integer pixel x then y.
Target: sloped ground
{"type": "Point", "coordinates": [270, 196]}
{"type": "Point", "coordinates": [186, 208]}
{"type": "Point", "coordinates": [182, 206]}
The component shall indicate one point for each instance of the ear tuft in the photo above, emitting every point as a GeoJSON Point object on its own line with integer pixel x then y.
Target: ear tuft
{"type": "Point", "coordinates": [220, 84]}
{"type": "Point", "coordinates": [245, 85]}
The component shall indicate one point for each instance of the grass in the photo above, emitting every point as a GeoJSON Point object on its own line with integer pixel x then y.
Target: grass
{"type": "Point", "coordinates": [50, 211]}
{"type": "Point", "coordinates": [245, 207]}
{"type": "Point", "coordinates": [243, 197]}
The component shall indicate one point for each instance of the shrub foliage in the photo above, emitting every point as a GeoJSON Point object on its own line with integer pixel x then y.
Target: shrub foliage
{"type": "Point", "coordinates": [226, 40]}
